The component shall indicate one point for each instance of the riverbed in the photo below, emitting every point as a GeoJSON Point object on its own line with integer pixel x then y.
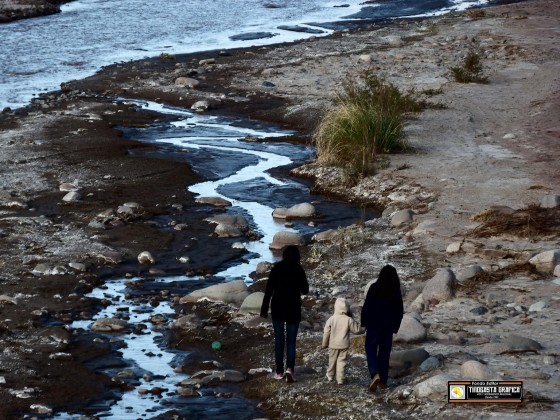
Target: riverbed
{"type": "Point", "coordinates": [41, 53]}
{"type": "Point", "coordinates": [88, 121]}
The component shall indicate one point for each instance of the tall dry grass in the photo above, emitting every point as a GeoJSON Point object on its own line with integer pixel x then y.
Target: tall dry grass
{"type": "Point", "coordinates": [367, 120]}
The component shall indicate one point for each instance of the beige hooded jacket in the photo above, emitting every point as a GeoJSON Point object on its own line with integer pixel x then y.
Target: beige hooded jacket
{"type": "Point", "coordinates": [336, 334]}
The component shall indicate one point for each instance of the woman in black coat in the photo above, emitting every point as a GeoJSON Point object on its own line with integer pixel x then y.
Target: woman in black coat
{"type": "Point", "coordinates": [286, 283]}
{"type": "Point", "coordinates": [381, 316]}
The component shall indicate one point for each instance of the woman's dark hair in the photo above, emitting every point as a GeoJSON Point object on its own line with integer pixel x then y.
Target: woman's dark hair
{"type": "Point", "coordinates": [388, 285]}
{"type": "Point", "coordinates": [291, 255]}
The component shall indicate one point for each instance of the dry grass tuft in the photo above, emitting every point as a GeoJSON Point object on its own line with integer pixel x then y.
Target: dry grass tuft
{"type": "Point", "coordinates": [531, 222]}
{"type": "Point", "coordinates": [484, 278]}
{"type": "Point", "coordinates": [484, 215]}
{"type": "Point", "coordinates": [366, 121]}
{"type": "Point", "coordinates": [476, 13]}
{"type": "Point", "coordinates": [470, 71]}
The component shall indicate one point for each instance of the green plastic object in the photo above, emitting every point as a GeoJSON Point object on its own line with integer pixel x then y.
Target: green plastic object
{"type": "Point", "coordinates": [216, 345]}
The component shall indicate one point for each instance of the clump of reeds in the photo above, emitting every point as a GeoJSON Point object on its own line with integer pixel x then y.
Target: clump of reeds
{"type": "Point", "coordinates": [367, 120]}
{"type": "Point", "coordinates": [470, 71]}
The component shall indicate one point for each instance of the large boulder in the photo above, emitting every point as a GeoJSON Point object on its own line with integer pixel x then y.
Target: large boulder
{"type": "Point", "coordinates": [206, 377]}
{"type": "Point", "coordinates": [229, 375]}
{"type": "Point", "coordinates": [550, 201]}
{"type": "Point", "coordinates": [187, 322]}
{"type": "Point", "coordinates": [200, 106]}
{"type": "Point", "coordinates": [145, 257]}
{"type": "Point", "coordinates": [301, 210]}
{"type": "Point", "coordinates": [128, 209]}
{"type": "Point", "coordinates": [284, 238]}
{"type": "Point", "coordinates": [520, 343]}
{"type": "Point", "coordinates": [252, 304]}
{"type": "Point", "coordinates": [187, 82]}
{"type": "Point", "coordinates": [325, 236]}
{"type": "Point", "coordinates": [214, 201]}
{"type": "Point", "coordinates": [441, 287]}
{"type": "Point", "coordinates": [417, 305]}
{"type": "Point", "coordinates": [109, 325]}
{"type": "Point", "coordinates": [431, 363]}
{"type": "Point", "coordinates": [234, 220]}
{"type": "Point", "coordinates": [434, 388]}
{"type": "Point", "coordinates": [402, 217]}
{"type": "Point", "coordinates": [546, 261]}
{"type": "Point", "coordinates": [231, 292]}
{"type": "Point", "coordinates": [473, 370]}
{"type": "Point", "coordinates": [227, 231]}
{"type": "Point", "coordinates": [187, 392]}
{"type": "Point", "coordinates": [72, 196]}
{"type": "Point", "coordinates": [263, 269]}
{"type": "Point", "coordinates": [411, 330]}
{"type": "Point", "coordinates": [406, 359]}
{"type": "Point", "coordinates": [469, 272]}
{"type": "Point", "coordinates": [8, 299]}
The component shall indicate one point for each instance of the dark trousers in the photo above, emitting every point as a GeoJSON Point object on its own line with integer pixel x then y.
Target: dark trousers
{"type": "Point", "coordinates": [284, 334]}
{"type": "Point", "coordinates": [378, 350]}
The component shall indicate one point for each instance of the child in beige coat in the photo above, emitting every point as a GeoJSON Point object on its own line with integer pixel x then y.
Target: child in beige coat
{"type": "Point", "coordinates": [336, 336]}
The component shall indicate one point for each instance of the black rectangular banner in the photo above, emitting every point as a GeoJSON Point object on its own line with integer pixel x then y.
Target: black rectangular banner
{"type": "Point", "coordinates": [485, 391]}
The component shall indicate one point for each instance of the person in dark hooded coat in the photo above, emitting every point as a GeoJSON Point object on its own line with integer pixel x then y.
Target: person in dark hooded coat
{"type": "Point", "coordinates": [381, 317]}
{"type": "Point", "coordinates": [286, 283]}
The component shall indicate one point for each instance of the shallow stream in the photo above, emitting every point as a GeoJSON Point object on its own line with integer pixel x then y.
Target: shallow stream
{"type": "Point", "coordinates": [238, 171]}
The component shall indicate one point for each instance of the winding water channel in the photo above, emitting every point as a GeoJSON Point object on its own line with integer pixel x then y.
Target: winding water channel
{"type": "Point", "coordinates": [254, 193]}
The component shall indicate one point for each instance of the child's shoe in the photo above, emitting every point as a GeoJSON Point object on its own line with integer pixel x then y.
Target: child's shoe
{"type": "Point", "coordinates": [278, 376]}
{"type": "Point", "coordinates": [329, 378]}
{"type": "Point", "coordinates": [290, 378]}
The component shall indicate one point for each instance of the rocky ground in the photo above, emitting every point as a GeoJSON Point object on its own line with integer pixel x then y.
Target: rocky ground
{"type": "Point", "coordinates": [465, 212]}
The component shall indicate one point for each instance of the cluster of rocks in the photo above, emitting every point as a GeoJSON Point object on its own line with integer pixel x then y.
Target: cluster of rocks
{"type": "Point", "coordinates": [446, 333]}
{"type": "Point", "coordinates": [117, 217]}
{"type": "Point", "coordinates": [234, 225]}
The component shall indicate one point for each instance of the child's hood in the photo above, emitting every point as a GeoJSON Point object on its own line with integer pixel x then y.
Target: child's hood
{"type": "Point", "coordinates": [341, 307]}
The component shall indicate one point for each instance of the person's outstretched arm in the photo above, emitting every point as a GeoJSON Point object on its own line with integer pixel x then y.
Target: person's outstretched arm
{"type": "Point", "coordinates": [354, 326]}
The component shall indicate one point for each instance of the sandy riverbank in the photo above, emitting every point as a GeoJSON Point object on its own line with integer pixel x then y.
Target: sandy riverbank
{"type": "Point", "coordinates": [490, 145]}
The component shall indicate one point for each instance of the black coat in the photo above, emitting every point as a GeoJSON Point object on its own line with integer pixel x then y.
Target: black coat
{"type": "Point", "coordinates": [286, 284]}
{"type": "Point", "coordinates": [382, 312]}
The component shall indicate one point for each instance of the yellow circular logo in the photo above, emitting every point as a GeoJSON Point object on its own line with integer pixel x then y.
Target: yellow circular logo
{"type": "Point", "coordinates": [457, 392]}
